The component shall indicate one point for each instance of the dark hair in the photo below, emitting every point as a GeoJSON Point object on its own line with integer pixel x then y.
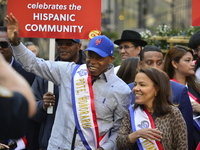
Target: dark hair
{"type": "Point", "coordinates": [136, 44]}
{"type": "Point", "coordinates": [147, 49]}
{"type": "Point", "coordinates": [161, 103]}
{"type": "Point", "coordinates": [176, 53]}
{"type": "Point", "coordinates": [3, 29]}
{"type": "Point", "coordinates": [194, 40]}
{"type": "Point", "coordinates": [128, 69]}
{"type": "Point", "coordinates": [197, 64]}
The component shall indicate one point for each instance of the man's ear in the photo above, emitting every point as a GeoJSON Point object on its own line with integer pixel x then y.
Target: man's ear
{"type": "Point", "coordinates": [139, 48]}
{"type": "Point", "coordinates": [111, 59]}
{"type": "Point", "coordinates": [79, 45]}
{"type": "Point", "coordinates": [174, 64]}
{"type": "Point", "coordinates": [140, 64]}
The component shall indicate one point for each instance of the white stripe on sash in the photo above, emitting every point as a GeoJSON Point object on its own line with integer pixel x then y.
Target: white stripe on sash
{"type": "Point", "coordinates": [141, 120]}
{"type": "Point", "coordinates": [84, 108]}
{"type": "Point", "coordinates": [196, 120]}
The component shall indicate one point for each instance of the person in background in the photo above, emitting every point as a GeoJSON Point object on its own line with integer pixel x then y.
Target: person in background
{"type": "Point", "coordinates": [128, 69]}
{"type": "Point", "coordinates": [6, 51]}
{"type": "Point", "coordinates": [152, 122]}
{"type": "Point", "coordinates": [17, 102]}
{"type": "Point", "coordinates": [68, 50]}
{"type": "Point", "coordinates": [152, 56]}
{"type": "Point", "coordinates": [31, 46]}
{"type": "Point", "coordinates": [179, 66]}
{"type": "Point", "coordinates": [92, 99]}
{"type": "Point", "coordinates": [130, 45]}
{"type": "Point", "coordinates": [194, 43]}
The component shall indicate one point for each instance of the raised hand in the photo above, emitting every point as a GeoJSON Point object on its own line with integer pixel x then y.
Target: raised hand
{"type": "Point", "coordinates": [12, 28]}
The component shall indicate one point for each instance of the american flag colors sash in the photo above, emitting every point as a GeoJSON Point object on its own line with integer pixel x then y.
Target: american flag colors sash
{"type": "Point", "coordinates": [196, 118]}
{"type": "Point", "coordinates": [84, 108]}
{"type": "Point", "coordinates": [141, 119]}
{"type": "Point", "coordinates": [21, 143]}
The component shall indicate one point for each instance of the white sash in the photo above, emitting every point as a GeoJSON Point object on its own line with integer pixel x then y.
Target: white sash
{"type": "Point", "coordinates": [84, 108]}
{"type": "Point", "coordinates": [139, 120]}
{"type": "Point", "coordinates": [196, 119]}
{"type": "Point", "coordinates": [21, 143]}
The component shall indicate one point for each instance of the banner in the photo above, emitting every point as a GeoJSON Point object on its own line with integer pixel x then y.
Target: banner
{"type": "Point", "coordinates": [72, 19]}
{"type": "Point", "coordinates": [195, 13]}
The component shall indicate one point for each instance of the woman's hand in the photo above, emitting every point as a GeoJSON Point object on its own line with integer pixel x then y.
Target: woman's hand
{"type": "Point", "coordinates": [195, 106]}
{"type": "Point", "coordinates": [147, 133]}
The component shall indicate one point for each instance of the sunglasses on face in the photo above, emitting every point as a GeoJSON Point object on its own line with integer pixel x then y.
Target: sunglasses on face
{"type": "Point", "coordinates": [65, 43]}
{"type": "Point", "coordinates": [4, 44]}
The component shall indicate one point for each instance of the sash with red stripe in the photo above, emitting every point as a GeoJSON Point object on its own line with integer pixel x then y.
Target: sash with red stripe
{"type": "Point", "coordinates": [21, 143]}
{"type": "Point", "coordinates": [196, 119]}
{"type": "Point", "coordinates": [84, 108]}
{"type": "Point", "coordinates": [142, 119]}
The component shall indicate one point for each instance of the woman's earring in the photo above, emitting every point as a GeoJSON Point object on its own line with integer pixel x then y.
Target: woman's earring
{"type": "Point", "coordinates": [155, 94]}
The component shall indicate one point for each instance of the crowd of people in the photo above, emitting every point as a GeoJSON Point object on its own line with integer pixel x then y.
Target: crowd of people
{"type": "Point", "coordinates": [150, 101]}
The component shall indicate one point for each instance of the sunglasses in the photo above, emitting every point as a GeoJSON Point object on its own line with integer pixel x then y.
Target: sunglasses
{"type": "Point", "coordinates": [65, 43]}
{"type": "Point", "coordinates": [4, 44]}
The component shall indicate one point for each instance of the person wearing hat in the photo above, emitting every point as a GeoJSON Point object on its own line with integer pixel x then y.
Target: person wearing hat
{"type": "Point", "coordinates": [194, 43]}
{"type": "Point", "coordinates": [92, 99]}
{"type": "Point", "coordinates": [130, 45]}
{"type": "Point", "coordinates": [67, 50]}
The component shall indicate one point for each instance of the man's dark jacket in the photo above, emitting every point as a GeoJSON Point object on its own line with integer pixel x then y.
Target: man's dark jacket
{"type": "Point", "coordinates": [27, 75]}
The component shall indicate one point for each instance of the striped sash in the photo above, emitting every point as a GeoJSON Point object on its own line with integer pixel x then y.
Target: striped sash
{"type": "Point", "coordinates": [196, 119]}
{"type": "Point", "coordinates": [139, 120]}
{"type": "Point", "coordinates": [84, 108]}
{"type": "Point", "coordinates": [21, 143]}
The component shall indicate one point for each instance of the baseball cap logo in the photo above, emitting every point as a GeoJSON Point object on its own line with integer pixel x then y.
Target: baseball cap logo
{"type": "Point", "coordinates": [98, 41]}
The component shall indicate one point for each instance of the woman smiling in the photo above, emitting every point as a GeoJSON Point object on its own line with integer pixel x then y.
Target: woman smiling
{"type": "Point", "coordinates": [153, 122]}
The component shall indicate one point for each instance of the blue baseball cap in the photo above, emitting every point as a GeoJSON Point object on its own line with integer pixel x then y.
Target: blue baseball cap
{"type": "Point", "coordinates": [75, 40]}
{"type": "Point", "coordinates": [101, 45]}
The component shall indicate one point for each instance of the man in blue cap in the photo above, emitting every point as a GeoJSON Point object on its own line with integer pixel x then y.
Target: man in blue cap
{"type": "Point", "coordinates": [92, 99]}
{"type": "Point", "coordinates": [67, 50]}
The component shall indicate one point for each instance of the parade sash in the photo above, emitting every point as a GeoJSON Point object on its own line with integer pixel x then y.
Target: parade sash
{"type": "Point", "coordinates": [196, 120]}
{"type": "Point", "coordinates": [21, 143]}
{"type": "Point", "coordinates": [139, 120]}
{"type": "Point", "coordinates": [84, 108]}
